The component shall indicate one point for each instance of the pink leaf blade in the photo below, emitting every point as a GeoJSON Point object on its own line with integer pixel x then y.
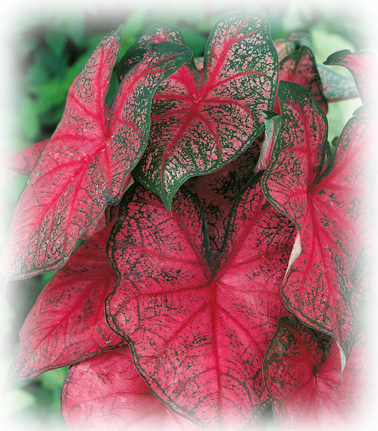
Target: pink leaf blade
{"type": "Point", "coordinates": [333, 228]}
{"type": "Point", "coordinates": [356, 144]}
{"type": "Point", "coordinates": [20, 162]}
{"type": "Point", "coordinates": [300, 67]}
{"type": "Point", "coordinates": [197, 331]}
{"type": "Point", "coordinates": [363, 66]}
{"type": "Point", "coordinates": [67, 324]}
{"type": "Point", "coordinates": [202, 120]}
{"type": "Point", "coordinates": [106, 392]}
{"type": "Point", "coordinates": [299, 152]}
{"type": "Point", "coordinates": [32, 239]}
{"type": "Point", "coordinates": [303, 374]}
{"type": "Point", "coordinates": [85, 165]}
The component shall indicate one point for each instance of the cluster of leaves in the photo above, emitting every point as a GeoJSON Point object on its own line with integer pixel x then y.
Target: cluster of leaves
{"type": "Point", "coordinates": [45, 44]}
{"type": "Point", "coordinates": [199, 305]}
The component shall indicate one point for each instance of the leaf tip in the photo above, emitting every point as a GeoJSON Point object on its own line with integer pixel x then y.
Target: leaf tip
{"type": "Point", "coordinates": [371, 104]}
{"type": "Point", "coordinates": [119, 31]}
{"type": "Point", "coordinates": [335, 58]}
{"type": "Point", "coordinates": [13, 375]}
{"type": "Point", "coordinates": [10, 381]}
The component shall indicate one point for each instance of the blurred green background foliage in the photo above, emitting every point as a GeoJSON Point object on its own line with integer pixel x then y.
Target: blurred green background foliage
{"type": "Point", "coordinates": [50, 54]}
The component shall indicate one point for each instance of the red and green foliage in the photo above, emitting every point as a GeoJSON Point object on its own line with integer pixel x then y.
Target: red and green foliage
{"type": "Point", "coordinates": [200, 305]}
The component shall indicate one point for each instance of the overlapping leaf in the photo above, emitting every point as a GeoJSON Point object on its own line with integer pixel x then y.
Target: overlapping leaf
{"type": "Point", "coordinates": [286, 46]}
{"type": "Point", "coordinates": [20, 162]}
{"type": "Point", "coordinates": [85, 164]}
{"type": "Point", "coordinates": [199, 327]}
{"type": "Point", "coordinates": [302, 371]}
{"type": "Point", "coordinates": [107, 393]}
{"type": "Point", "coordinates": [337, 87]}
{"type": "Point", "coordinates": [217, 191]}
{"type": "Point", "coordinates": [272, 126]}
{"type": "Point", "coordinates": [327, 205]}
{"type": "Point", "coordinates": [67, 324]}
{"type": "Point", "coordinates": [203, 119]}
{"type": "Point", "coordinates": [363, 66]}
{"type": "Point", "coordinates": [300, 67]}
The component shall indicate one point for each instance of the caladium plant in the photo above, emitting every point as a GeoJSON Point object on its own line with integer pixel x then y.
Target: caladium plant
{"type": "Point", "coordinates": [201, 305]}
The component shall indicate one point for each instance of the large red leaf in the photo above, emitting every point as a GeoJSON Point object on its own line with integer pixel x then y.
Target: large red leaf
{"type": "Point", "coordinates": [363, 66]}
{"type": "Point", "coordinates": [199, 327]}
{"type": "Point", "coordinates": [302, 372]}
{"type": "Point", "coordinates": [67, 324]}
{"type": "Point", "coordinates": [86, 162]}
{"type": "Point", "coordinates": [217, 191]}
{"type": "Point", "coordinates": [300, 67]}
{"type": "Point", "coordinates": [106, 393]}
{"type": "Point", "coordinates": [329, 208]}
{"type": "Point", "coordinates": [20, 162]}
{"type": "Point", "coordinates": [203, 119]}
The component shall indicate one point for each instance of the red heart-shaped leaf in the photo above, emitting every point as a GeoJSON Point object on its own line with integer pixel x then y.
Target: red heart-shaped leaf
{"type": "Point", "coordinates": [86, 162]}
{"type": "Point", "coordinates": [363, 66]}
{"type": "Point", "coordinates": [300, 67]}
{"type": "Point", "coordinates": [203, 119]}
{"type": "Point", "coordinates": [67, 324]}
{"type": "Point", "coordinates": [329, 208]}
{"type": "Point", "coordinates": [302, 372]}
{"type": "Point", "coordinates": [20, 162]}
{"type": "Point", "coordinates": [199, 327]}
{"type": "Point", "coordinates": [107, 393]}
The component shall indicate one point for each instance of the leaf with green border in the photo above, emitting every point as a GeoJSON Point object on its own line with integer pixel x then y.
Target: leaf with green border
{"type": "Point", "coordinates": [364, 68]}
{"type": "Point", "coordinates": [329, 207]}
{"type": "Point", "coordinates": [203, 119]}
{"type": "Point", "coordinates": [87, 162]}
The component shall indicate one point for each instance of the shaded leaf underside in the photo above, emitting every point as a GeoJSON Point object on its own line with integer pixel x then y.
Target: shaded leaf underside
{"type": "Point", "coordinates": [217, 191]}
